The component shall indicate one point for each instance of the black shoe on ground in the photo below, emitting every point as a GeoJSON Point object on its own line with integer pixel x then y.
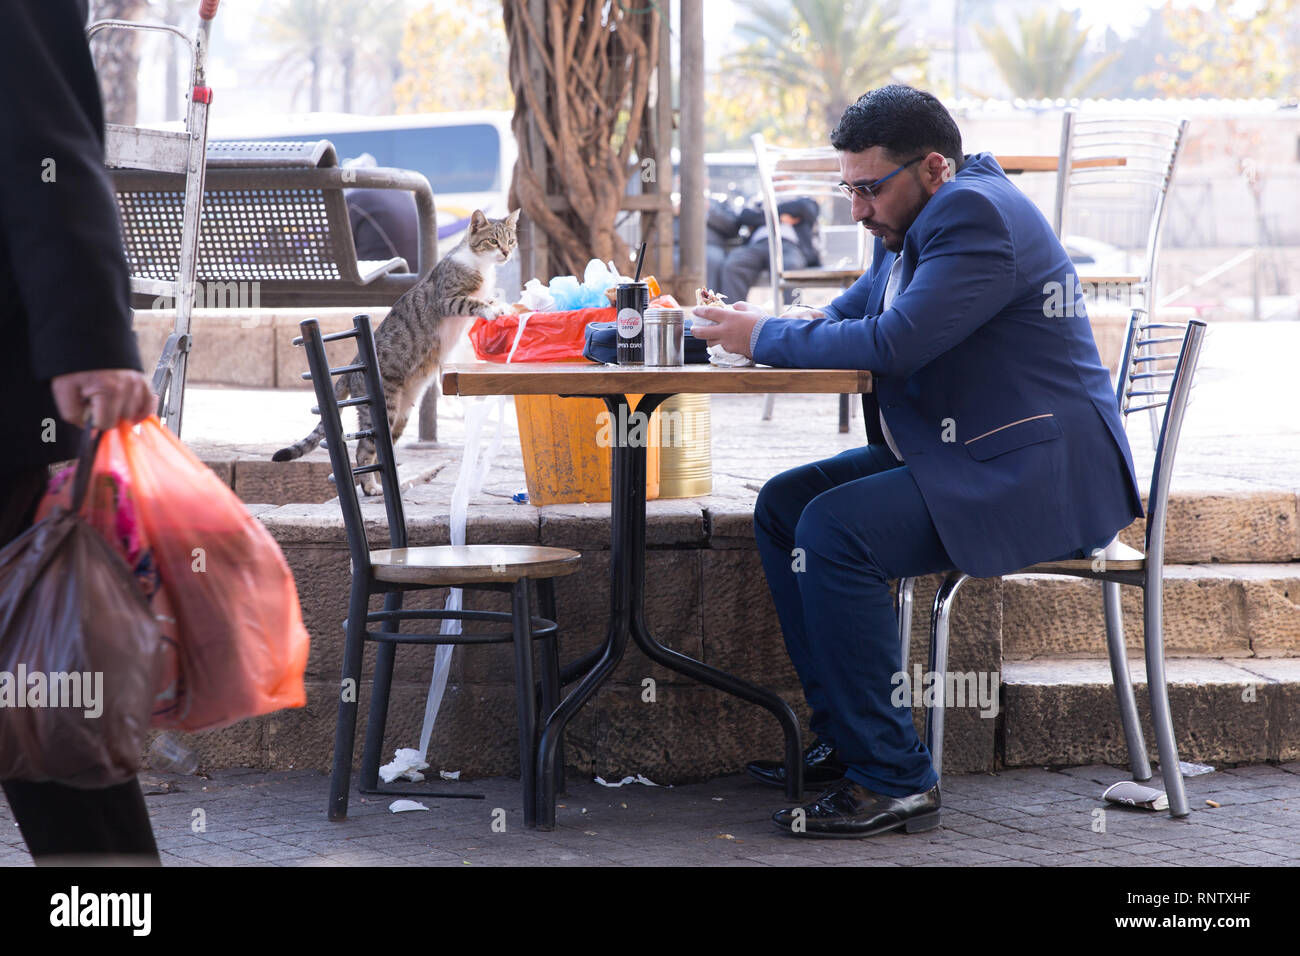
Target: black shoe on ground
{"type": "Point", "coordinates": [849, 809]}
{"type": "Point", "coordinates": [821, 767]}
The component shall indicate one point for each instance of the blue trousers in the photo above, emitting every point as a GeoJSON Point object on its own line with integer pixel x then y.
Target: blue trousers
{"type": "Point", "coordinates": [831, 535]}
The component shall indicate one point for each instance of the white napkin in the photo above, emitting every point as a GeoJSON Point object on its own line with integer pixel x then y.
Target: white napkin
{"type": "Point", "coordinates": [720, 356]}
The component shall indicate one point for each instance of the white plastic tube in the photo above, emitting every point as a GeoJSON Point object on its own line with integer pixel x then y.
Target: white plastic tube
{"type": "Point", "coordinates": [474, 468]}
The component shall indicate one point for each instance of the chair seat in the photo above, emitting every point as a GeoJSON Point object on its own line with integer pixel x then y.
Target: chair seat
{"type": "Point", "coordinates": [452, 565]}
{"type": "Point", "coordinates": [1117, 557]}
{"type": "Point", "coordinates": [822, 276]}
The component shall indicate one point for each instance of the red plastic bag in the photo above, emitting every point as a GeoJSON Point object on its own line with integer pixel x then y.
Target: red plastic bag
{"type": "Point", "coordinates": [238, 623]}
{"type": "Point", "coordinates": [548, 336]}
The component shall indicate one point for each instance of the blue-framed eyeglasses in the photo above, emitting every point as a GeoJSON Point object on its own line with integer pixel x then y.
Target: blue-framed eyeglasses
{"type": "Point", "coordinates": [868, 191]}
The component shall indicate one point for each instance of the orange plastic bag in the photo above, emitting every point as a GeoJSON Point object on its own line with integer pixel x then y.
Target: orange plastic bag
{"type": "Point", "coordinates": [548, 336]}
{"type": "Point", "coordinates": [244, 646]}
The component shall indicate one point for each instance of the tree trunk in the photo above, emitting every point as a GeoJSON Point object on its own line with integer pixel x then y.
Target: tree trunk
{"type": "Point", "coordinates": [316, 56]}
{"type": "Point", "coordinates": [349, 72]}
{"type": "Point", "coordinates": [577, 123]}
{"type": "Point", "coordinates": [172, 103]}
{"type": "Point", "coordinates": [117, 59]}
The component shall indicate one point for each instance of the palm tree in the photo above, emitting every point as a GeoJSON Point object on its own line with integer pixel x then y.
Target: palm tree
{"type": "Point", "coordinates": [831, 50]}
{"type": "Point", "coordinates": [1047, 56]}
{"type": "Point", "coordinates": [367, 38]}
{"type": "Point", "coordinates": [358, 36]}
{"type": "Point", "coordinates": [303, 31]}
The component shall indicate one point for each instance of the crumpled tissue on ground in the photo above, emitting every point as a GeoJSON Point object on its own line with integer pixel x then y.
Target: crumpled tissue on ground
{"type": "Point", "coordinates": [639, 778]}
{"type": "Point", "coordinates": [407, 763]}
{"type": "Point", "coordinates": [401, 806]}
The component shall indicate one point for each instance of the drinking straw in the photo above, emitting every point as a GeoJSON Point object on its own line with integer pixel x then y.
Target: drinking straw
{"type": "Point", "coordinates": [640, 260]}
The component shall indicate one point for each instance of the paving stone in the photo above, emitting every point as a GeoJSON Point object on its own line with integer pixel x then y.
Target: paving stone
{"type": "Point", "coordinates": [275, 819]}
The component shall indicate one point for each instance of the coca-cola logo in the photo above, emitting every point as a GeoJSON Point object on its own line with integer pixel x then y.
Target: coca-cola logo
{"type": "Point", "coordinates": [629, 323]}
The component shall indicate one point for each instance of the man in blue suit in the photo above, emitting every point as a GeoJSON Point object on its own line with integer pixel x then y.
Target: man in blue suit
{"type": "Point", "coordinates": [995, 441]}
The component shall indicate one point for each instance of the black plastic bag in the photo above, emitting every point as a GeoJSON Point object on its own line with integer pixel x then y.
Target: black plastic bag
{"type": "Point", "coordinates": [600, 344]}
{"type": "Point", "coordinates": [79, 654]}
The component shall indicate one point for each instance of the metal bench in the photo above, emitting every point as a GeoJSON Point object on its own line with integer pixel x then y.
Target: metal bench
{"type": "Point", "coordinates": [274, 233]}
{"type": "Point", "coordinates": [274, 214]}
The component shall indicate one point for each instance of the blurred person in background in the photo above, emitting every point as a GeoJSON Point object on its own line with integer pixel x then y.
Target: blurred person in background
{"type": "Point", "coordinates": [385, 223]}
{"type": "Point", "coordinates": [741, 266]}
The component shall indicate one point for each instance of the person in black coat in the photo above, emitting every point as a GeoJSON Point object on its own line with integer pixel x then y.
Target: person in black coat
{"type": "Point", "coordinates": [385, 223]}
{"type": "Point", "coordinates": [68, 347]}
{"type": "Point", "coordinates": [744, 264]}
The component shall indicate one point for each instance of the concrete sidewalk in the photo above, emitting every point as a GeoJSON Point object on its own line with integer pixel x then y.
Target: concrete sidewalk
{"type": "Point", "coordinates": [1014, 818]}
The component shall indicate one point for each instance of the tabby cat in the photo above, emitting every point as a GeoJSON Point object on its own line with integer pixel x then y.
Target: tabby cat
{"type": "Point", "coordinates": [428, 318]}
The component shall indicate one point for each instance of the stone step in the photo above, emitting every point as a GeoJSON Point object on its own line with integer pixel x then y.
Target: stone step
{"type": "Point", "coordinates": [256, 479]}
{"type": "Point", "coordinates": [1063, 712]}
{"type": "Point", "coordinates": [1210, 610]}
{"type": "Point", "coordinates": [236, 343]}
{"type": "Point", "coordinates": [1048, 713]}
{"type": "Point", "coordinates": [1237, 528]}
{"type": "Point", "coordinates": [1233, 527]}
{"type": "Point", "coordinates": [706, 596]}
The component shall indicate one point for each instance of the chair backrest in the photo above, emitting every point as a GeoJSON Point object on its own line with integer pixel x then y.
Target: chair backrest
{"type": "Point", "coordinates": [336, 441]}
{"type": "Point", "coordinates": [791, 173]}
{"type": "Point", "coordinates": [1155, 375]}
{"type": "Point", "coordinates": [1149, 147]}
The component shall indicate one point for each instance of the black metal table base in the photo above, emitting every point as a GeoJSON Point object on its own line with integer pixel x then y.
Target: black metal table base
{"type": "Point", "coordinates": [627, 618]}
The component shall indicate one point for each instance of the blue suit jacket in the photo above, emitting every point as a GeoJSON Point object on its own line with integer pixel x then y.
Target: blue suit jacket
{"type": "Point", "coordinates": [1001, 409]}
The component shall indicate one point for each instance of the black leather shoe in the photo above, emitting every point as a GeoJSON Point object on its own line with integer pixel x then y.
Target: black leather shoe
{"type": "Point", "coordinates": [821, 767]}
{"type": "Point", "coordinates": [849, 809]}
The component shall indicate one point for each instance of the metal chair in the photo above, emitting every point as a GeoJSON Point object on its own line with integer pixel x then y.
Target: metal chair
{"type": "Point", "coordinates": [1149, 147]}
{"type": "Point", "coordinates": [1141, 387]}
{"type": "Point", "coordinates": [785, 173]}
{"type": "Point", "coordinates": [398, 569]}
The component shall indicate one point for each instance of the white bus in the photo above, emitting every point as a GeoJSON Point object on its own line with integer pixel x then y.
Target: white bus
{"type": "Point", "coordinates": [468, 157]}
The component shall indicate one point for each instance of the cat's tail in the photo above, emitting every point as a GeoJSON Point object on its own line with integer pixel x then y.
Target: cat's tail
{"type": "Point", "coordinates": [317, 435]}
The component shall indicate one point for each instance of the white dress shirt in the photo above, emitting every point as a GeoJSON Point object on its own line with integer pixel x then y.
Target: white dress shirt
{"type": "Point", "coordinates": [891, 288]}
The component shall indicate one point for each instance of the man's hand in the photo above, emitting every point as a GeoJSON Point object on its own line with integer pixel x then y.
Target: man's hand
{"type": "Point", "coordinates": [113, 394]}
{"type": "Point", "coordinates": [731, 326]}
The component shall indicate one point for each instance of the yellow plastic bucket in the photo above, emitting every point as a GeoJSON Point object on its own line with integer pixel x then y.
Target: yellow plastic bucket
{"type": "Point", "coordinates": [566, 444]}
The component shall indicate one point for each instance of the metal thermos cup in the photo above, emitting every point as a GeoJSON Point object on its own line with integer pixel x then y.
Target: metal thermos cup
{"type": "Point", "coordinates": [630, 301]}
{"type": "Point", "coordinates": [665, 337]}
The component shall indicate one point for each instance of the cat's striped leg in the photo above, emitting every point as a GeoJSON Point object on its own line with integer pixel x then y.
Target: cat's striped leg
{"type": "Point", "coordinates": [366, 454]}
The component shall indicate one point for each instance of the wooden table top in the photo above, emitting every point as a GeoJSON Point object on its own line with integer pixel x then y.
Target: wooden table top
{"type": "Point", "coordinates": [1009, 164]}
{"type": "Point", "coordinates": [589, 378]}
{"type": "Point", "coordinates": [1048, 164]}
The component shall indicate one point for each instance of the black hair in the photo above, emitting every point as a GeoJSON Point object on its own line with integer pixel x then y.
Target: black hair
{"type": "Point", "coordinates": [905, 121]}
